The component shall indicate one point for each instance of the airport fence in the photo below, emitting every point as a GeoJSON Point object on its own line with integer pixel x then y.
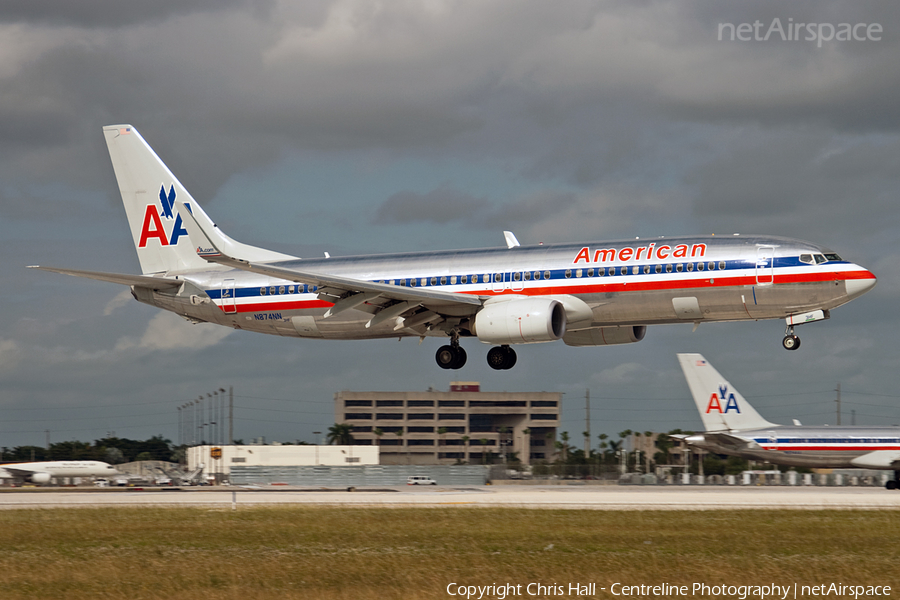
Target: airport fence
{"type": "Point", "coordinates": [353, 476]}
{"type": "Point", "coordinates": [551, 472]}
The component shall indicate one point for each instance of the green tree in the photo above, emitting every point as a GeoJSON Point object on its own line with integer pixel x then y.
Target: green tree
{"type": "Point", "coordinates": [340, 434]}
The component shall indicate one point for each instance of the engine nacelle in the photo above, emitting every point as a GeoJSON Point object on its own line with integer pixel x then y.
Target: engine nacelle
{"type": "Point", "coordinates": [606, 336]}
{"type": "Point", "coordinates": [520, 321]}
{"type": "Point", "coordinates": [39, 478]}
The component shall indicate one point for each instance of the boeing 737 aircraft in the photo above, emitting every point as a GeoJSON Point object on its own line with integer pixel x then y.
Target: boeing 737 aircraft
{"type": "Point", "coordinates": [734, 427]}
{"type": "Point", "coordinates": [587, 294]}
{"type": "Point", "coordinates": [44, 471]}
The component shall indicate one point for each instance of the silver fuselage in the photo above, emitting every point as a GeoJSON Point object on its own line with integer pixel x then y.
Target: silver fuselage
{"type": "Point", "coordinates": [804, 446]}
{"type": "Point", "coordinates": [626, 282]}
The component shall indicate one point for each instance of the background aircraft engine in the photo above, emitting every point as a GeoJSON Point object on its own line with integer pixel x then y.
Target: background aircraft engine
{"type": "Point", "coordinates": [39, 477]}
{"type": "Point", "coordinates": [606, 336]}
{"type": "Point", "coordinates": [521, 321]}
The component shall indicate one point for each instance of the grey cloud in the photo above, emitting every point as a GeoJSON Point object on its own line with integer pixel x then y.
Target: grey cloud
{"type": "Point", "coordinates": [105, 13]}
{"type": "Point", "coordinates": [810, 181]}
{"type": "Point", "coordinates": [442, 205]}
{"type": "Point", "coordinates": [447, 205]}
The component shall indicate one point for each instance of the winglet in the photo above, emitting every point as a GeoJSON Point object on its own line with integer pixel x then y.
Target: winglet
{"type": "Point", "coordinates": [511, 241]}
{"type": "Point", "coordinates": [204, 247]}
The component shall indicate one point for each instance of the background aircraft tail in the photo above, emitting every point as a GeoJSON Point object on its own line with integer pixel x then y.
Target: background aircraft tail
{"type": "Point", "coordinates": [150, 192]}
{"type": "Point", "coordinates": [721, 407]}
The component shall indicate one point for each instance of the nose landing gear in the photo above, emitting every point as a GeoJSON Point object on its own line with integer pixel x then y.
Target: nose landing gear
{"type": "Point", "coordinates": [790, 341]}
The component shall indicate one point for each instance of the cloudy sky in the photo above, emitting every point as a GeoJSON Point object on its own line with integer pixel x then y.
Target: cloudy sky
{"type": "Point", "coordinates": [353, 126]}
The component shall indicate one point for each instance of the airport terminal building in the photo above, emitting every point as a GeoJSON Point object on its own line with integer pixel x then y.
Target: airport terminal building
{"type": "Point", "coordinates": [462, 425]}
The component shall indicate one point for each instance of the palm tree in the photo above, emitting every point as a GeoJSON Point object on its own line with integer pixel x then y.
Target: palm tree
{"type": "Point", "coordinates": [603, 446]}
{"type": "Point", "coordinates": [564, 436]}
{"type": "Point", "coordinates": [340, 434]}
{"type": "Point", "coordinates": [378, 431]}
{"type": "Point", "coordinates": [483, 450]}
{"type": "Point", "coordinates": [550, 437]}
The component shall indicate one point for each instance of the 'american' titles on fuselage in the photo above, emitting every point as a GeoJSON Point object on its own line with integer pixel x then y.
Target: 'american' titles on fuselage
{"type": "Point", "coordinates": [600, 293]}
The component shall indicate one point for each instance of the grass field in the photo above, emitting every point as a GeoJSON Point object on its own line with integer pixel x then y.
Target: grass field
{"type": "Point", "coordinates": [313, 553]}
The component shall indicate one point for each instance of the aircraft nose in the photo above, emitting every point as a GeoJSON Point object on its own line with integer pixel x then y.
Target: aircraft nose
{"type": "Point", "coordinates": [858, 287]}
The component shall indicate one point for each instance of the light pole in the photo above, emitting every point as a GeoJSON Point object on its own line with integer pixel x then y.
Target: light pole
{"type": "Point", "coordinates": [317, 434]}
{"type": "Point", "coordinates": [221, 419]}
{"type": "Point", "coordinates": [190, 423]}
{"type": "Point", "coordinates": [200, 419]}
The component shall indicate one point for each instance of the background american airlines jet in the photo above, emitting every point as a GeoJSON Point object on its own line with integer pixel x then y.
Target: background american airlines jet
{"type": "Point", "coordinates": [734, 427]}
{"type": "Point", "coordinates": [589, 294]}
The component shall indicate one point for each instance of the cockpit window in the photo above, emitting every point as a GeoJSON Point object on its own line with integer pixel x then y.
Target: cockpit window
{"type": "Point", "coordinates": [819, 259]}
{"type": "Point", "coordinates": [806, 258]}
{"type": "Point", "coordinates": [833, 257]}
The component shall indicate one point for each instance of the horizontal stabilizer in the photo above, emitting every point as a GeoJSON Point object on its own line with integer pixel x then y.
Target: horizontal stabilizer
{"type": "Point", "coordinates": [144, 281]}
{"type": "Point", "coordinates": [733, 442]}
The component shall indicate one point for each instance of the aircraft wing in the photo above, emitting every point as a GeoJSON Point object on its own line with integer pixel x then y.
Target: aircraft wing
{"type": "Point", "coordinates": [21, 473]}
{"type": "Point", "coordinates": [727, 440]}
{"type": "Point", "coordinates": [144, 281]}
{"type": "Point", "coordinates": [348, 292]}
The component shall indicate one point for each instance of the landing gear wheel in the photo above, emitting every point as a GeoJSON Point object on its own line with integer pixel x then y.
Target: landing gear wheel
{"type": "Point", "coordinates": [501, 358]}
{"type": "Point", "coordinates": [790, 342]}
{"type": "Point", "coordinates": [460, 359]}
{"type": "Point", "coordinates": [891, 484]}
{"type": "Point", "coordinates": [445, 357]}
{"type": "Point", "coordinates": [448, 357]}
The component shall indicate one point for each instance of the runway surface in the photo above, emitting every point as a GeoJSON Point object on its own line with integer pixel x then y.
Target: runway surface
{"type": "Point", "coordinates": [568, 497]}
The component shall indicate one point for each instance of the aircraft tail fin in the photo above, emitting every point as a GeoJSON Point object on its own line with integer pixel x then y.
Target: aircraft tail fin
{"type": "Point", "coordinates": [721, 407]}
{"type": "Point", "coordinates": [149, 192]}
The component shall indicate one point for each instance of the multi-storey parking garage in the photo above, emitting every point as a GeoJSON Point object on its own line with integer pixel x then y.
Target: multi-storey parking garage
{"type": "Point", "coordinates": [460, 425]}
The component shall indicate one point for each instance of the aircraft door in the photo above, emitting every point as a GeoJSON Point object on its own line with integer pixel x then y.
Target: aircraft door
{"type": "Point", "coordinates": [497, 281]}
{"type": "Point", "coordinates": [228, 302]}
{"type": "Point", "coordinates": [517, 283]}
{"type": "Point", "coordinates": [765, 265]}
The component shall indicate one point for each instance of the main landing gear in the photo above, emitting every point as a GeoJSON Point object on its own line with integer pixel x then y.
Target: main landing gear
{"type": "Point", "coordinates": [893, 484]}
{"type": "Point", "coordinates": [501, 358]}
{"type": "Point", "coordinates": [790, 341]}
{"type": "Point", "coordinates": [451, 356]}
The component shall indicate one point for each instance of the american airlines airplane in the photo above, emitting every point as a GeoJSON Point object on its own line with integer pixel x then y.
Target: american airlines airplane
{"type": "Point", "coordinates": [586, 294]}
{"type": "Point", "coordinates": [734, 427]}
{"type": "Point", "coordinates": [44, 471]}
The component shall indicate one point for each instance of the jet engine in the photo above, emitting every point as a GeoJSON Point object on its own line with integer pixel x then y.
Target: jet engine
{"type": "Point", "coordinates": [606, 336]}
{"type": "Point", "coordinates": [520, 321]}
{"type": "Point", "coordinates": [39, 478]}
